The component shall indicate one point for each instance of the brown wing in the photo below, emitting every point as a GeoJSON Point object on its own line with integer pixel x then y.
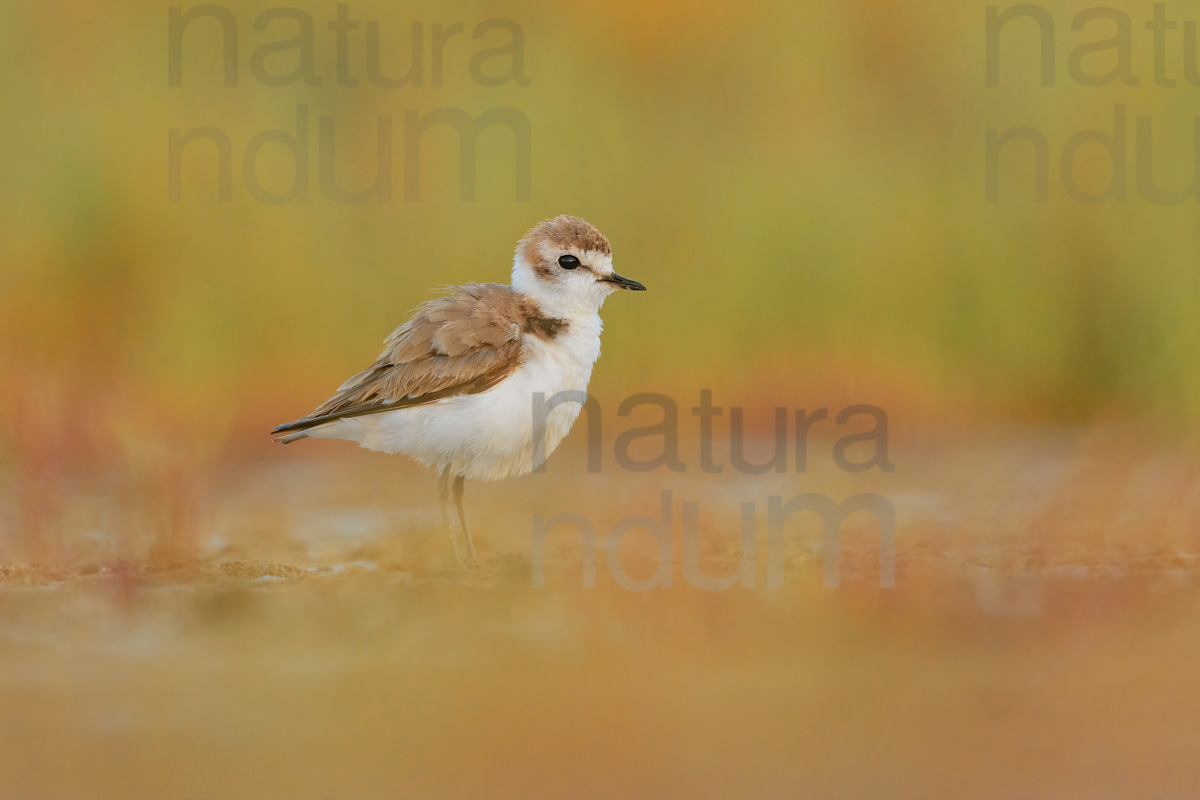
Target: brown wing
{"type": "Point", "coordinates": [463, 343]}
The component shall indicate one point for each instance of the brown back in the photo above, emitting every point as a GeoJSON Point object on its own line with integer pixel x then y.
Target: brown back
{"type": "Point", "coordinates": [463, 343]}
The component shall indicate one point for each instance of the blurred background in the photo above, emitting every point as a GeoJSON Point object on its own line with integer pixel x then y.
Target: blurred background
{"type": "Point", "coordinates": [802, 188]}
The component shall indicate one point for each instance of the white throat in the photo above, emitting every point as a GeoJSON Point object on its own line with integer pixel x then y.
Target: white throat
{"type": "Point", "coordinates": [570, 301]}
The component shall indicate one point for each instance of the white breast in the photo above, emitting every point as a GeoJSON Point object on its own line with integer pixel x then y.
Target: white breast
{"type": "Point", "coordinates": [487, 436]}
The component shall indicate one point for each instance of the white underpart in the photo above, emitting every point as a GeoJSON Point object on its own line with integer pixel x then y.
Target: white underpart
{"type": "Point", "coordinates": [489, 436]}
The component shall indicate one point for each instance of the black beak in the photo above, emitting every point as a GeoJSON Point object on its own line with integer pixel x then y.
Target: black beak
{"type": "Point", "coordinates": [624, 283]}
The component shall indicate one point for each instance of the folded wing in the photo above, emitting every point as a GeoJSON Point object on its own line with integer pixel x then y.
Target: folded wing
{"type": "Point", "coordinates": [463, 343]}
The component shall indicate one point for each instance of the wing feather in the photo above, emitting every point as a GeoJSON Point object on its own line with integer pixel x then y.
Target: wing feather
{"type": "Point", "coordinates": [463, 343]}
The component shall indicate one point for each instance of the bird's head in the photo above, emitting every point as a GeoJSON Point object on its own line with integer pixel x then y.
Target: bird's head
{"type": "Point", "coordinates": [565, 264]}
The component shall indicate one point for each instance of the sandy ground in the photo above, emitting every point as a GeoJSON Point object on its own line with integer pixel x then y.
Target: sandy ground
{"type": "Point", "coordinates": [294, 627]}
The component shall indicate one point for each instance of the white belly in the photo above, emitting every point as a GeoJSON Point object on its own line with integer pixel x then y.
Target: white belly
{"type": "Point", "coordinates": [486, 436]}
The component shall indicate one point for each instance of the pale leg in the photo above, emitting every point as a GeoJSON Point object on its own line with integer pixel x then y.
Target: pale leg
{"type": "Point", "coordinates": [443, 490]}
{"type": "Point", "coordinates": [462, 519]}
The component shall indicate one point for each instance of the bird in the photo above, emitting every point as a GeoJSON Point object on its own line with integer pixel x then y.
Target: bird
{"type": "Point", "coordinates": [455, 386]}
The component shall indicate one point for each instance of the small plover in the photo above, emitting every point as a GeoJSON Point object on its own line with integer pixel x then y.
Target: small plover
{"type": "Point", "coordinates": [454, 386]}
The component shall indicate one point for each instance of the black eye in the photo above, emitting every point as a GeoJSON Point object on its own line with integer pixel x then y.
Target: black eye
{"type": "Point", "coordinates": [568, 262]}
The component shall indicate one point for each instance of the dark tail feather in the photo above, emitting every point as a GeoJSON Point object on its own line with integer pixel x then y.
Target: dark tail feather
{"type": "Point", "coordinates": [296, 430]}
{"type": "Point", "coordinates": [304, 423]}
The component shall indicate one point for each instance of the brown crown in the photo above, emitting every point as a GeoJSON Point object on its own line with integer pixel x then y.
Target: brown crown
{"type": "Point", "coordinates": [565, 233]}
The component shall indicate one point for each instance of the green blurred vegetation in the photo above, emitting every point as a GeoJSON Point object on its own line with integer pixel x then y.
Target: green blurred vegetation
{"type": "Point", "coordinates": [800, 185]}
